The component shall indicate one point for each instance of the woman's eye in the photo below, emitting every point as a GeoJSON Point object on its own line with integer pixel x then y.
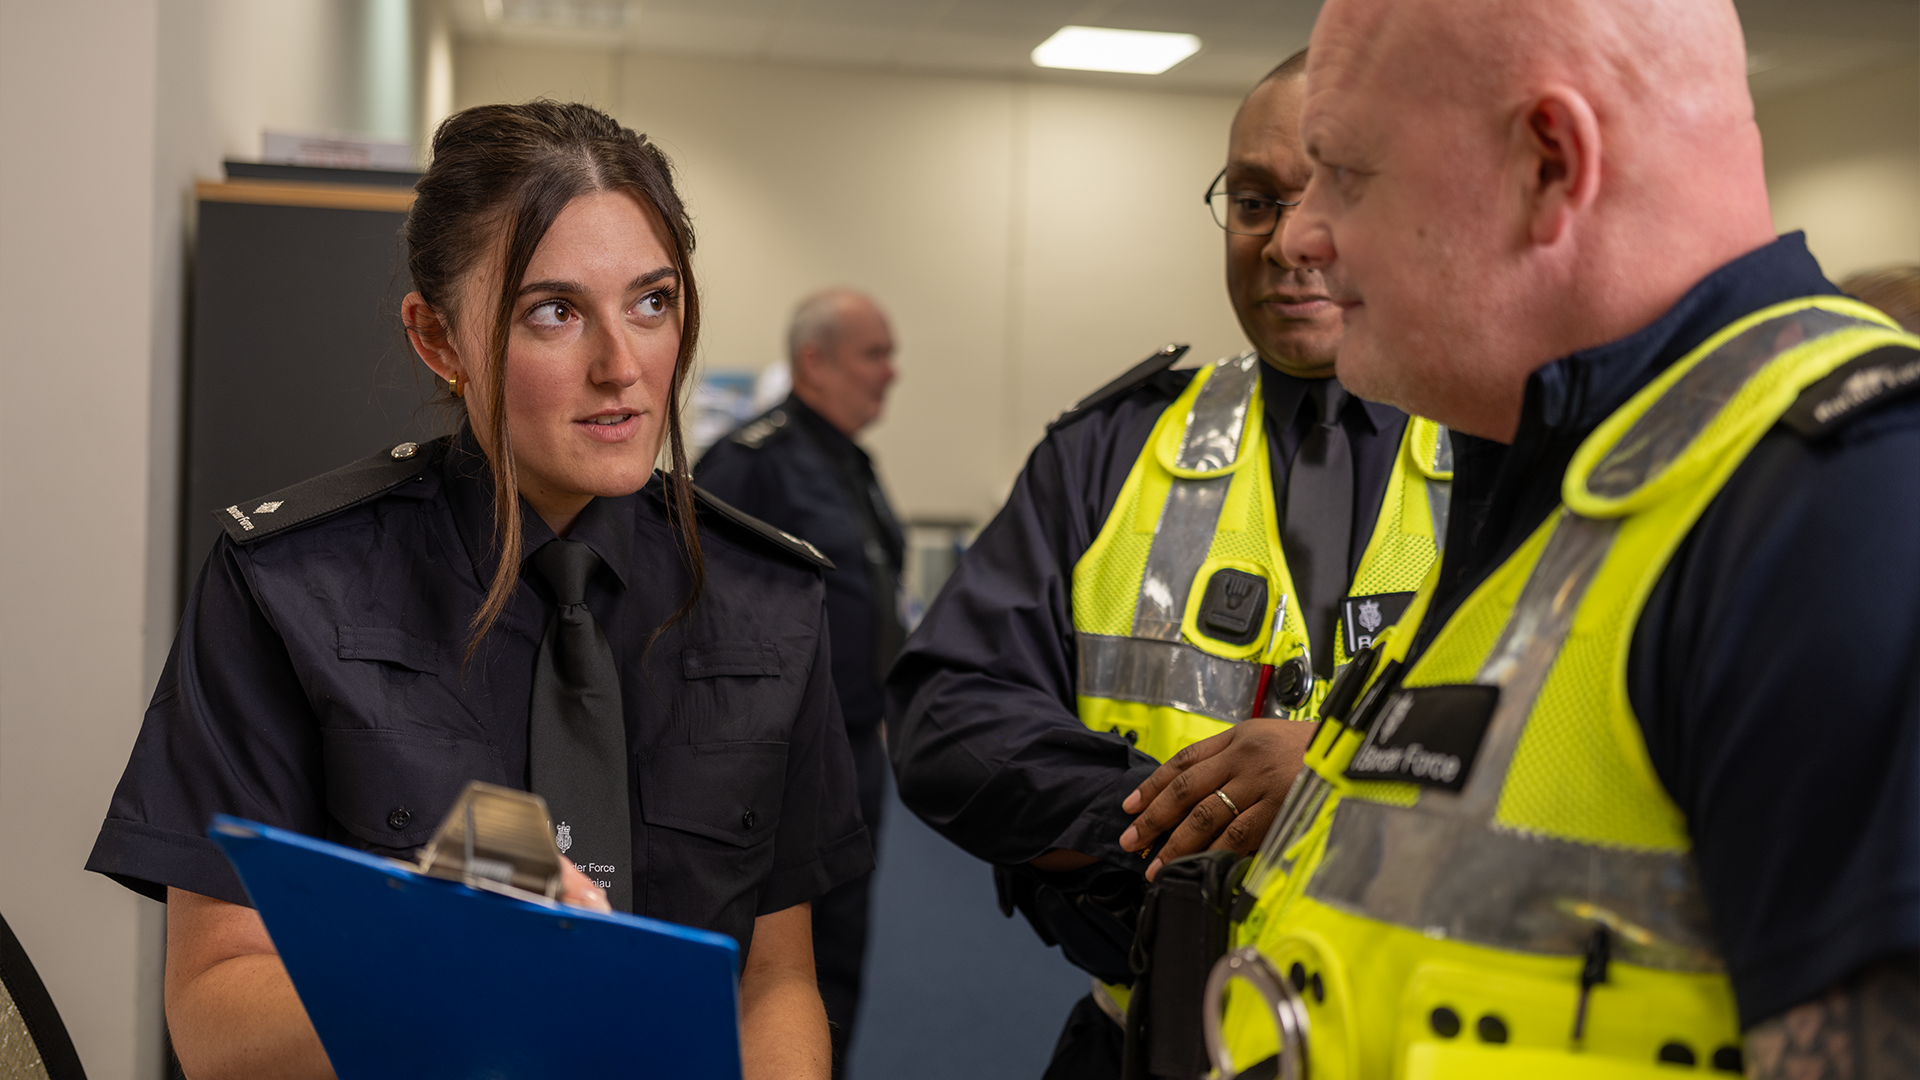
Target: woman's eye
{"type": "Point", "coordinates": [551, 313]}
{"type": "Point", "coordinates": [654, 303]}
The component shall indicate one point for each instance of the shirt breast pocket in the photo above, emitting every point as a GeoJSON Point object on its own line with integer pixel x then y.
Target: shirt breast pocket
{"type": "Point", "coordinates": [389, 789]}
{"type": "Point", "coordinates": [391, 679]}
{"type": "Point", "coordinates": [739, 691]}
{"type": "Point", "coordinates": [382, 668]}
{"type": "Point", "coordinates": [711, 811]}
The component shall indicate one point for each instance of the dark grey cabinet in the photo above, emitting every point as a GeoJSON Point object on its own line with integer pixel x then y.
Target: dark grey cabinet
{"type": "Point", "coordinates": [296, 361]}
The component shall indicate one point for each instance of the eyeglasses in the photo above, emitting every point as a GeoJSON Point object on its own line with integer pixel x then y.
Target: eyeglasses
{"type": "Point", "coordinates": [1242, 212]}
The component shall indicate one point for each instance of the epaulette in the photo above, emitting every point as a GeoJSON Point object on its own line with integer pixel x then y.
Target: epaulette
{"type": "Point", "coordinates": [755, 435]}
{"type": "Point", "coordinates": [324, 495]}
{"type": "Point", "coordinates": [779, 538]}
{"type": "Point", "coordinates": [1167, 356]}
{"type": "Point", "coordinates": [1854, 388]}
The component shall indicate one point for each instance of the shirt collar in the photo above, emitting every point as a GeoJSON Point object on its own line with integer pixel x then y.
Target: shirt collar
{"type": "Point", "coordinates": [1576, 392]}
{"type": "Point", "coordinates": [1283, 393]}
{"type": "Point", "coordinates": [606, 525]}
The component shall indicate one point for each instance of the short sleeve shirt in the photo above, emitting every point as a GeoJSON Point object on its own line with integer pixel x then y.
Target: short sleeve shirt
{"type": "Point", "coordinates": [320, 682]}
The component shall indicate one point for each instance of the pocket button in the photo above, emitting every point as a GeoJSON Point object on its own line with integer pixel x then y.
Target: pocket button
{"type": "Point", "coordinates": [746, 820]}
{"type": "Point", "coordinates": [399, 818]}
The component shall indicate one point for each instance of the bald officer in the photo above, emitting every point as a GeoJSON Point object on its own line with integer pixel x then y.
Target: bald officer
{"type": "Point", "coordinates": [1637, 781]}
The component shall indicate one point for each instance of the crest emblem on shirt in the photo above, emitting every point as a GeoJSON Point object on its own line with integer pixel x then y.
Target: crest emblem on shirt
{"type": "Point", "coordinates": [1369, 615]}
{"type": "Point", "coordinates": [563, 836]}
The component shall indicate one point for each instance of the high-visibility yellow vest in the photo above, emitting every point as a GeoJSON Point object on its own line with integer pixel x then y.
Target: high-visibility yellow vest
{"type": "Point", "coordinates": [1439, 934]}
{"type": "Point", "coordinates": [1197, 512]}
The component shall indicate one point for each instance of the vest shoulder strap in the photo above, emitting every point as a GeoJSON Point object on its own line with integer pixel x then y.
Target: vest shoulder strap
{"type": "Point", "coordinates": [327, 494]}
{"type": "Point", "coordinates": [1854, 389]}
{"type": "Point", "coordinates": [759, 531]}
{"type": "Point", "coordinates": [1162, 359]}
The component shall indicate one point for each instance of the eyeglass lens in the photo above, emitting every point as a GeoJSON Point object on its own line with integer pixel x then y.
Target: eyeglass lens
{"type": "Point", "coordinates": [1243, 213]}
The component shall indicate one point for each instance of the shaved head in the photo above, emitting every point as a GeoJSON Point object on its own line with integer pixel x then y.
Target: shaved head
{"type": "Point", "coordinates": [1498, 183]}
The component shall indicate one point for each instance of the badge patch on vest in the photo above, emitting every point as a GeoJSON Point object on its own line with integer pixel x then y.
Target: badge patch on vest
{"type": "Point", "coordinates": [1234, 608]}
{"type": "Point", "coordinates": [1363, 617]}
{"type": "Point", "coordinates": [1427, 735]}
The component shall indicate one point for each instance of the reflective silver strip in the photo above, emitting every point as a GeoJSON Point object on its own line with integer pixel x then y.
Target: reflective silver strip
{"type": "Point", "coordinates": [1184, 533]}
{"type": "Point", "coordinates": [1212, 438]}
{"type": "Point", "coordinates": [1524, 654]}
{"type": "Point", "coordinates": [1442, 867]}
{"type": "Point", "coordinates": [1181, 539]}
{"type": "Point", "coordinates": [1440, 492]}
{"type": "Point", "coordinates": [1168, 673]}
{"type": "Point", "coordinates": [1664, 431]}
{"type": "Point", "coordinates": [1458, 879]}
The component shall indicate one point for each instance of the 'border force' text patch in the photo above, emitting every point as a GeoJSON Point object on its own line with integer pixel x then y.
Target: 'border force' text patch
{"type": "Point", "coordinates": [1427, 735]}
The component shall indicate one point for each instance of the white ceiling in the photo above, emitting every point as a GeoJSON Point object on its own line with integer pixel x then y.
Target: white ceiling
{"type": "Point", "coordinates": [1794, 44]}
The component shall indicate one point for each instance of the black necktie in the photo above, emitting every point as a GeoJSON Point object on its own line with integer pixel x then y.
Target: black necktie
{"type": "Point", "coordinates": [1320, 519]}
{"type": "Point", "coordinates": [577, 735]}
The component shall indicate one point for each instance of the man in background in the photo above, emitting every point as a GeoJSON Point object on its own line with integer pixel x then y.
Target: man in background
{"type": "Point", "coordinates": [797, 467]}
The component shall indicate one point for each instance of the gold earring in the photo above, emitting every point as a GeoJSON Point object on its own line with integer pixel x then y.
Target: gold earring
{"type": "Point", "coordinates": [453, 384]}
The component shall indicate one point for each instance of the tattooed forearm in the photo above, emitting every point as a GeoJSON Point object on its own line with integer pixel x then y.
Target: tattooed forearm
{"type": "Point", "coordinates": [1867, 1028]}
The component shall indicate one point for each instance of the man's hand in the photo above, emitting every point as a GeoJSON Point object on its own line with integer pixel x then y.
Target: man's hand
{"type": "Point", "coordinates": [1254, 763]}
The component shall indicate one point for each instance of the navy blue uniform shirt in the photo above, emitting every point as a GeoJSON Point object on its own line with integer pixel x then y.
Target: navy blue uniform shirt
{"type": "Point", "coordinates": [791, 468]}
{"type": "Point", "coordinates": [318, 684]}
{"type": "Point", "coordinates": [1775, 670]}
{"type": "Point", "coordinates": [981, 721]}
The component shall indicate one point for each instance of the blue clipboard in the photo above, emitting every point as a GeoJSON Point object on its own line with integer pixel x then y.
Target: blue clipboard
{"type": "Point", "coordinates": [405, 975]}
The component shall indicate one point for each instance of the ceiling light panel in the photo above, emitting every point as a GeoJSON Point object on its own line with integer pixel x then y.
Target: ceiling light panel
{"type": "Point", "coordinates": [1098, 48]}
{"type": "Point", "coordinates": [586, 14]}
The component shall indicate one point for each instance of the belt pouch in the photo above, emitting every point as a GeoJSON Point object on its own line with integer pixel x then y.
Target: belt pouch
{"type": "Point", "coordinates": [1182, 931]}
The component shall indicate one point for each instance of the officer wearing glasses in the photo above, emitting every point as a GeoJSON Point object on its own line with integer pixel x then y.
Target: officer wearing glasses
{"type": "Point", "coordinates": [1115, 675]}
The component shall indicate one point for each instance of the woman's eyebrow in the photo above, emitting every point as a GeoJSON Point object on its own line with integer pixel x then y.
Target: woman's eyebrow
{"type": "Point", "coordinates": [574, 287]}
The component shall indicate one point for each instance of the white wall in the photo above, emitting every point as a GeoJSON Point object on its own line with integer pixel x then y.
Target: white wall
{"type": "Point", "coordinates": [1031, 240]}
{"type": "Point", "coordinates": [80, 271]}
{"type": "Point", "coordinates": [109, 112]}
{"type": "Point", "coordinates": [1843, 163]}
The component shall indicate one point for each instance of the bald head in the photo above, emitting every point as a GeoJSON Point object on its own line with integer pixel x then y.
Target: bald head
{"type": "Point", "coordinates": [841, 350]}
{"type": "Point", "coordinates": [1501, 182]}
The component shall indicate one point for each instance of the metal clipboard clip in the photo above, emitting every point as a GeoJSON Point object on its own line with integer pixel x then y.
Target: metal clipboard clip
{"type": "Point", "coordinates": [496, 839]}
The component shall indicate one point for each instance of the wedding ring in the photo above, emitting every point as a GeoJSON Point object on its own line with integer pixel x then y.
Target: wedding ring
{"type": "Point", "coordinates": [1229, 802]}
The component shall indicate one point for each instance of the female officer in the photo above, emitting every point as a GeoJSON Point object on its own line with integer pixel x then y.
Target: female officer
{"type": "Point", "coordinates": [526, 602]}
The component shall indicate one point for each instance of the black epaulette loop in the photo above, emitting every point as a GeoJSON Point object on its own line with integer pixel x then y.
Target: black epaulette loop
{"type": "Point", "coordinates": [1854, 389]}
{"type": "Point", "coordinates": [1162, 359]}
{"type": "Point", "coordinates": [325, 495]}
{"type": "Point", "coordinates": [755, 435]}
{"type": "Point", "coordinates": [779, 538]}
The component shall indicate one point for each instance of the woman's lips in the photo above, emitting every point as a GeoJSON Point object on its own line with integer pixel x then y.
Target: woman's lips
{"type": "Point", "coordinates": [611, 427]}
{"type": "Point", "coordinates": [1304, 307]}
